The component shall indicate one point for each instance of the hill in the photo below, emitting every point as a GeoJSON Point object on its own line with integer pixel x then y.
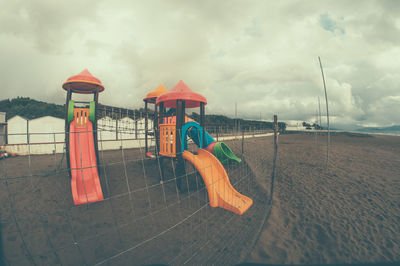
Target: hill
{"type": "Point", "coordinates": [391, 129]}
{"type": "Point", "coordinates": [31, 109]}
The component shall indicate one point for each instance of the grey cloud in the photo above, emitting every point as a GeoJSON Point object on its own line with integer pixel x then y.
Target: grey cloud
{"type": "Point", "coordinates": [261, 54]}
{"type": "Point", "coordinates": [47, 24]}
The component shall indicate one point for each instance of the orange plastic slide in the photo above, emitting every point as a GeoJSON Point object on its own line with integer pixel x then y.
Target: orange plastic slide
{"type": "Point", "coordinates": [85, 181]}
{"type": "Point", "coordinates": [220, 191]}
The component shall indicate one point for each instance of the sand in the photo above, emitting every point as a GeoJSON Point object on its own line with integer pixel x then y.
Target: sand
{"type": "Point", "coordinates": [348, 213]}
{"type": "Point", "coordinates": [144, 218]}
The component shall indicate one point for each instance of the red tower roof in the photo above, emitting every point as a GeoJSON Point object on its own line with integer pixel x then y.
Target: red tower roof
{"type": "Point", "coordinates": [181, 92]}
{"type": "Point", "coordinates": [84, 82]}
{"type": "Point", "coordinates": [152, 96]}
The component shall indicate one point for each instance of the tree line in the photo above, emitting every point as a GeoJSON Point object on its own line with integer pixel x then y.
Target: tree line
{"type": "Point", "coordinates": [31, 109]}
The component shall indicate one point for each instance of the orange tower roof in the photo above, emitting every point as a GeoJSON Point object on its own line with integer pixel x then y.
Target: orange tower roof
{"type": "Point", "coordinates": [181, 92]}
{"type": "Point", "coordinates": [152, 96]}
{"type": "Point", "coordinates": [84, 82]}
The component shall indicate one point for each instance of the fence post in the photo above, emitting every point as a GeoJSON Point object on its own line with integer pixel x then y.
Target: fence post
{"type": "Point", "coordinates": [275, 152]}
{"type": "Point", "coordinates": [120, 117]}
{"type": "Point", "coordinates": [6, 132]}
{"type": "Point", "coordinates": [242, 142]}
{"type": "Point", "coordinates": [27, 131]}
{"type": "Point", "coordinates": [275, 130]}
{"type": "Point", "coordinates": [136, 131]}
{"type": "Point", "coordinates": [235, 129]}
{"type": "Point", "coordinates": [55, 146]}
{"type": "Point", "coordinates": [116, 129]}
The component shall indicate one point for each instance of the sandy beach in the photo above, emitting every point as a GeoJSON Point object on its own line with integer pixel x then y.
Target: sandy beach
{"type": "Point", "coordinates": [349, 213]}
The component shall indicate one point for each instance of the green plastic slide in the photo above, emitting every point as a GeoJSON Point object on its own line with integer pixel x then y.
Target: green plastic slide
{"type": "Point", "coordinates": [224, 153]}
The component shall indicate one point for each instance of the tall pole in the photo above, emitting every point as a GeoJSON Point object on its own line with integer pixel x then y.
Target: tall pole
{"type": "Point", "coordinates": [319, 112]}
{"type": "Point", "coordinates": [327, 114]}
{"type": "Point", "coordinates": [316, 123]}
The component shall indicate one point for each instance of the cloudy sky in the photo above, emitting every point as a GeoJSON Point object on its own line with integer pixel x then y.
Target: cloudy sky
{"type": "Point", "coordinates": [261, 54]}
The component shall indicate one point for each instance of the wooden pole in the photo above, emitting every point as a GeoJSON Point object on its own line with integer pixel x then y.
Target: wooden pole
{"type": "Point", "coordinates": [242, 142]}
{"type": "Point", "coordinates": [27, 131]}
{"type": "Point", "coordinates": [136, 131]}
{"type": "Point", "coordinates": [236, 126]}
{"type": "Point", "coordinates": [275, 155]}
{"type": "Point", "coordinates": [276, 126]}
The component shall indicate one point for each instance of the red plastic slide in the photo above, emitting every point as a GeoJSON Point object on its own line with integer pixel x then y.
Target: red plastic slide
{"type": "Point", "coordinates": [85, 181]}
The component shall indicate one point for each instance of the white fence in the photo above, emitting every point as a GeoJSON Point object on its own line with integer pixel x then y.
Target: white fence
{"type": "Point", "coordinates": [50, 148]}
{"type": "Point", "coordinates": [46, 135]}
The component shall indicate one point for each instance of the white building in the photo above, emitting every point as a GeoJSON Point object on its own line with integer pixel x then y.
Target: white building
{"type": "Point", "coordinates": [17, 130]}
{"type": "Point", "coordinates": [3, 127]}
{"type": "Point", "coordinates": [46, 129]}
{"type": "Point", "coordinates": [46, 135]}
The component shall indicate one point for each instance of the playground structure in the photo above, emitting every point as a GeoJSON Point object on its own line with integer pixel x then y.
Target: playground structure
{"type": "Point", "coordinates": [218, 149]}
{"type": "Point", "coordinates": [140, 210]}
{"type": "Point", "coordinates": [171, 130]}
{"type": "Point", "coordinates": [81, 138]}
